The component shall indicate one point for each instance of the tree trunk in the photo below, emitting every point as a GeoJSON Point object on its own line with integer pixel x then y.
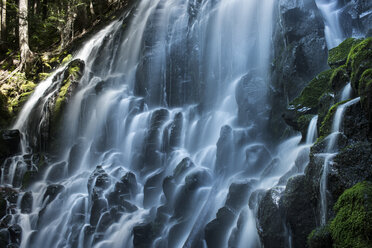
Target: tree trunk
{"type": "Point", "coordinates": [3, 21]}
{"type": "Point", "coordinates": [23, 34]}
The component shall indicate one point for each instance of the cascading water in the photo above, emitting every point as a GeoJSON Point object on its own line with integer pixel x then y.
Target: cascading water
{"type": "Point", "coordinates": [152, 137]}
{"type": "Point", "coordinates": [331, 152]}
{"type": "Point", "coordinates": [163, 141]}
{"type": "Point", "coordinates": [331, 10]}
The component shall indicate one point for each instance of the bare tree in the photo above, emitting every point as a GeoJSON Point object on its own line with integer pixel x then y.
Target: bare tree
{"type": "Point", "coordinates": [23, 34]}
{"type": "Point", "coordinates": [3, 21]}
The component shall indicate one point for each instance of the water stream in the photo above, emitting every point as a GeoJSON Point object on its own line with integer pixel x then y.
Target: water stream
{"type": "Point", "coordinates": [162, 143]}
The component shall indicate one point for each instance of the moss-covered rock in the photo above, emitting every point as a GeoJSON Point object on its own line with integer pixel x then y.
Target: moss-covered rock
{"type": "Point", "coordinates": [71, 77]}
{"type": "Point", "coordinates": [339, 78]}
{"type": "Point", "coordinates": [365, 91]}
{"type": "Point", "coordinates": [320, 238]}
{"type": "Point", "coordinates": [13, 94]}
{"type": "Point", "coordinates": [352, 226]}
{"type": "Point", "coordinates": [338, 56]}
{"type": "Point", "coordinates": [309, 97]}
{"type": "Point", "coordinates": [359, 60]}
{"type": "Point", "coordinates": [326, 127]}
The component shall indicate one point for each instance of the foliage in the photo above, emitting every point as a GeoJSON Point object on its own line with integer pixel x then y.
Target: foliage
{"type": "Point", "coordinates": [352, 226]}
{"type": "Point", "coordinates": [338, 55]}
{"type": "Point", "coordinates": [320, 238]}
{"type": "Point", "coordinates": [309, 97]}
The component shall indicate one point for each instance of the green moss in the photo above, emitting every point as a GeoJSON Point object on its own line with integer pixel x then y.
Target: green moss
{"type": "Point", "coordinates": [359, 60]}
{"type": "Point", "coordinates": [339, 78]}
{"type": "Point", "coordinates": [42, 76]}
{"type": "Point", "coordinates": [67, 59]}
{"type": "Point", "coordinates": [365, 87]}
{"type": "Point", "coordinates": [338, 56]}
{"type": "Point", "coordinates": [28, 86]}
{"type": "Point", "coordinates": [303, 122]}
{"type": "Point", "coordinates": [309, 97]}
{"type": "Point", "coordinates": [352, 226]}
{"type": "Point", "coordinates": [61, 98]}
{"type": "Point", "coordinates": [320, 238]}
{"type": "Point", "coordinates": [326, 127]}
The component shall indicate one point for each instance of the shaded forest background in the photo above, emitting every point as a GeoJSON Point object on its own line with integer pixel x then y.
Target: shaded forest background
{"type": "Point", "coordinates": [31, 27]}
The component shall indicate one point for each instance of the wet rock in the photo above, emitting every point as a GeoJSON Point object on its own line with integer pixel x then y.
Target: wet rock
{"type": "Point", "coordinates": [75, 157]}
{"type": "Point", "coordinates": [176, 131]}
{"type": "Point", "coordinates": [99, 206]}
{"type": "Point", "coordinates": [270, 220]}
{"type": "Point", "coordinates": [300, 53]}
{"type": "Point", "coordinates": [52, 191]}
{"type": "Point", "coordinates": [257, 157]}
{"type": "Point", "coordinates": [152, 188]}
{"type": "Point", "coordinates": [26, 203]}
{"type": "Point", "coordinates": [238, 196]}
{"type": "Point", "coordinates": [182, 168]}
{"type": "Point", "coordinates": [250, 95]}
{"type": "Point", "coordinates": [298, 208]}
{"type": "Point", "coordinates": [57, 172]}
{"type": "Point", "coordinates": [188, 193]}
{"type": "Point", "coordinates": [151, 153]}
{"type": "Point", "coordinates": [3, 207]}
{"type": "Point", "coordinates": [143, 236]}
{"type": "Point", "coordinates": [224, 154]}
{"type": "Point", "coordinates": [10, 143]}
{"type": "Point", "coordinates": [4, 237]}
{"type": "Point", "coordinates": [15, 233]}
{"type": "Point", "coordinates": [98, 181]}
{"type": "Point", "coordinates": [216, 231]}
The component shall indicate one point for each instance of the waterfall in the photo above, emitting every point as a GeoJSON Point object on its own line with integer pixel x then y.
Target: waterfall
{"type": "Point", "coordinates": [164, 133]}
{"type": "Point", "coordinates": [331, 152]}
{"type": "Point", "coordinates": [331, 10]}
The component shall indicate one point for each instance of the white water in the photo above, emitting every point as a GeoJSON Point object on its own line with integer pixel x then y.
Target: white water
{"type": "Point", "coordinates": [331, 152]}
{"type": "Point", "coordinates": [170, 48]}
{"type": "Point", "coordinates": [346, 92]}
{"type": "Point", "coordinates": [331, 11]}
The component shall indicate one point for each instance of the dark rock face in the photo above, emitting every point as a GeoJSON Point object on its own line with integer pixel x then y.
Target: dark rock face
{"type": "Point", "coordinates": [271, 221]}
{"type": "Point", "coordinates": [26, 202]}
{"type": "Point", "coordinates": [300, 204]}
{"type": "Point", "coordinates": [300, 54]}
{"type": "Point", "coordinates": [9, 143]}
{"type": "Point", "coordinates": [217, 231]}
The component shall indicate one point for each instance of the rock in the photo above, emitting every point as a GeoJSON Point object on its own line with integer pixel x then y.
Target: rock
{"type": "Point", "coordinates": [99, 179]}
{"type": "Point", "coordinates": [152, 188]}
{"type": "Point", "coordinates": [183, 168]}
{"type": "Point", "coordinates": [10, 143]}
{"type": "Point", "coordinates": [297, 206]}
{"type": "Point", "coordinates": [359, 60]}
{"type": "Point", "coordinates": [151, 153]}
{"type": "Point", "coordinates": [224, 154]}
{"type": "Point", "coordinates": [126, 188]}
{"type": "Point", "coordinates": [270, 220]}
{"type": "Point", "coordinates": [300, 53]}
{"type": "Point", "coordinates": [353, 222]}
{"type": "Point", "coordinates": [99, 206]}
{"type": "Point", "coordinates": [3, 207]}
{"type": "Point", "coordinates": [75, 157]}
{"type": "Point", "coordinates": [4, 237]}
{"type": "Point", "coordinates": [250, 95]}
{"type": "Point", "coordinates": [216, 231]}
{"type": "Point", "coordinates": [15, 232]}
{"type": "Point", "coordinates": [338, 56]}
{"type": "Point", "coordinates": [52, 191]}
{"type": "Point", "coordinates": [320, 238]}
{"type": "Point", "coordinates": [238, 196]}
{"type": "Point", "coordinates": [26, 203]}
{"type": "Point", "coordinates": [143, 236]}
{"type": "Point", "coordinates": [257, 157]}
